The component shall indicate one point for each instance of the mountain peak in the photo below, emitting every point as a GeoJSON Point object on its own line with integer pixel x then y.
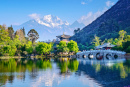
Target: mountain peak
{"type": "Point", "coordinates": [51, 21]}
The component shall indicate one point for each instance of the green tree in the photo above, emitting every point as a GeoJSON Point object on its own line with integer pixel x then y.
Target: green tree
{"type": "Point", "coordinates": [11, 32]}
{"type": "Point", "coordinates": [96, 41]}
{"type": "Point", "coordinates": [73, 47]}
{"type": "Point", "coordinates": [122, 34]}
{"type": "Point", "coordinates": [28, 47]}
{"type": "Point", "coordinates": [9, 50]}
{"type": "Point", "coordinates": [4, 38]}
{"type": "Point", "coordinates": [33, 35]}
{"type": "Point", "coordinates": [23, 31]}
{"type": "Point", "coordinates": [128, 50]}
{"type": "Point", "coordinates": [43, 48]}
{"type": "Point", "coordinates": [62, 47]}
{"type": "Point", "coordinates": [21, 36]}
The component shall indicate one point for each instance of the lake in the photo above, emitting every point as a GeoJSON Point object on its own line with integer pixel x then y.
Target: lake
{"type": "Point", "coordinates": [63, 72]}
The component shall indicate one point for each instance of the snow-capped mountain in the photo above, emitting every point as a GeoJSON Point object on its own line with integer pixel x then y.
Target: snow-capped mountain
{"type": "Point", "coordinates": [51, 21]}
{"type": "Point", "coordinates": [49, 26]}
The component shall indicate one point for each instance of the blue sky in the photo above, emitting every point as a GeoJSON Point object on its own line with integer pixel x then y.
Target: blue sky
{"type": "Point", "coordinates": [17, 12]}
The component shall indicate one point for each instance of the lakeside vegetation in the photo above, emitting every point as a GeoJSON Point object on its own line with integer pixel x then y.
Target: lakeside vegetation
{"type": "Point", "coordinates": [18, 44]}
{"type": "Point", "coordinates": [122, 42]}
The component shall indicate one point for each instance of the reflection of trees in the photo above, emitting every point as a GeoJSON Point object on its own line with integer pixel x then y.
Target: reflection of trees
{"type": "Point", "coordinates": [122, 68]}
{"type": "Point", "coordinates": [43, 64]}
{"type": "Point", "coordinates": [71, 65]}
{"type": "Point", "coordinates": [63, 66]}
{"type": "Point", "coordinates": [8, 65]}
{"type": "Point", "coordinates": [14, 65]}
{"type": "Point", "coordinates": [97, 67]}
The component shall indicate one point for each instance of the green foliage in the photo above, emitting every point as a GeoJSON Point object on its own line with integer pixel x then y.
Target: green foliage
{"type": "Point", "coordinates": [128, 50]}
{"type": "Point", "coordinates": [9, 49]}
{"type": "Point", "coordinates": [33, 35]}
{"type": "Point", "coordinates": [73, 65]}
{"type": "Point", "coordinates": [43, 48]}
{"type": "Point", "coordinates": [28, 47]}
{"type": "Point", "coordinates": [43, 64]}
{"type": "Point", "coordinates": [62, 47]}
{"type": "Point", "coordinates": [4, 38]}
{"type": "Point", "coordinates": [63, 66]}
{"type": "Point", "coordinates": [21, 36]}
{"type": "Point", "coordinates": [128, 38]}
{"type": "Point", "coordinates": [73, 47]}
{"type": "Point", "coordinates": [96, 41]}
{"type": "Point", "coordinates": [82, 47]}
{"type": "Point", "coordinates": [11, 32]}
{"type": "Point", "coordinates": [122, 34]}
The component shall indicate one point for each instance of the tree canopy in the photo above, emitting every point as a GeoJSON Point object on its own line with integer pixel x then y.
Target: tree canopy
{"type": "Point", "coordinates": [43, 48]}
{"type": "Point", "coordinates": [33, 35]}
{"type": "Point", "coordinates": [62, 47]}
{"type": "Point", "coordinates": [73, 47]}
{"type": "Point", "coordinates": [96, 41]}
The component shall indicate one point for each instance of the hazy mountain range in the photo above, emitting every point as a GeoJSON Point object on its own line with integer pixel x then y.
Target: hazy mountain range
{"type": "Point", "coordinates": [49, 27]}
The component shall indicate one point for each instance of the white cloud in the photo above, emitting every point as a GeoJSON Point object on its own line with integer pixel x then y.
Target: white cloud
{"type": "Point", "coordinates": [90, 17]}
{"type": "Point", "coordinates": [34, 16]}
{"type": "Point", "coordinates": [109, 3]}
{"type": "Point", "coordinates": [83, 3]}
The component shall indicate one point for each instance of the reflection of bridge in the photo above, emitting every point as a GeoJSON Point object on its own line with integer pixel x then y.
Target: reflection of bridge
{"type": "Point", "coordinates": [104, 75]}
{"type": "Point", "coordinates": [101, 54]}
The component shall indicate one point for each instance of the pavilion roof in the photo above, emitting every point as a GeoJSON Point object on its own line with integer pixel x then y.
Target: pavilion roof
{"type": "Point", "coordinates": [64, 36]}
{"type": "Point", "coordinates": [105, 45]}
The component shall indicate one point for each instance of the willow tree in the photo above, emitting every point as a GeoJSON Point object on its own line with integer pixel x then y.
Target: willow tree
{"type": "Point", "coordinates": [96, 41]}
{"type": "Point", "coordinates": [122, 34]}
{"type": "Point", "coordinates": [33, 35]}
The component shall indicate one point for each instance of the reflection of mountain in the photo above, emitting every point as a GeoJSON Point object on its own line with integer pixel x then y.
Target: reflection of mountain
{"type": "Point", "coordinates": [62, 73]}
{"type": "Point", "coordinates": [107, 76]}
{"type": "Point", "coordinates": [49, 78]}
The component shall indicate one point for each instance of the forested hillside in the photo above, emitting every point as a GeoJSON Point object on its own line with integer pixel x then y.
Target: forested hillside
{"type": "Point", "coordinates": [107, 25]}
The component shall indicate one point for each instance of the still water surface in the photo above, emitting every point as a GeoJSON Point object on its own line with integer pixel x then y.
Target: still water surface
{"type": "Point", "coordinates": [63, 72]}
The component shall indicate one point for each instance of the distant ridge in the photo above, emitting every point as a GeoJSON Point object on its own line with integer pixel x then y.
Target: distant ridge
{"type": "Point", "coordinates": [107, 25]}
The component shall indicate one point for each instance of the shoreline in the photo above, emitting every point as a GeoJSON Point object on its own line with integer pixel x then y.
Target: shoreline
{"type": "Point", "coordinates": [127, 56]}
{"type": "Point", "coordinates": [53, 56]}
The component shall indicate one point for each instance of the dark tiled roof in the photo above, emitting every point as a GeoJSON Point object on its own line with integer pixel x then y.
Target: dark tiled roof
{"type": "Point", "coordinates": [64, 36]}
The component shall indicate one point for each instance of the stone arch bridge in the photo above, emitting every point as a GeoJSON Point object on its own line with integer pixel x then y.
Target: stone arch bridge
{"type": "Point", "coordinates": [101, 54]}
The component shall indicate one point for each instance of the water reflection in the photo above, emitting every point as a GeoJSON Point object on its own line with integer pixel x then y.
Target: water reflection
{"type": "Point", "coordinates": [108, 74]}
{"type": "Point", "coordinates": [68, 65]}
{"type": "Point", "coordinates": [63, 72]}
